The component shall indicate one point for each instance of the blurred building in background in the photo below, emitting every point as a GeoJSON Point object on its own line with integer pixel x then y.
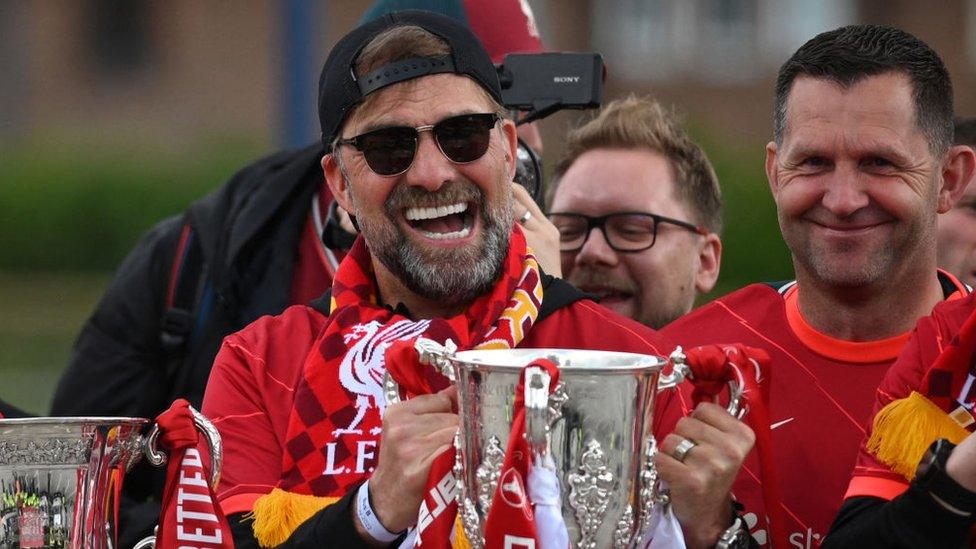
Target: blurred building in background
{"type": "Point", "coordinates": [161, 72]}
{"type": "Point", "coordinates": [169, 72]}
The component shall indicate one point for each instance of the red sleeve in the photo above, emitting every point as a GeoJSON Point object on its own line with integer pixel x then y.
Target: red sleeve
{"type": "Point", "coordinates": [871, 477]}
{"type": "Point", "coordinates": [249, 398]}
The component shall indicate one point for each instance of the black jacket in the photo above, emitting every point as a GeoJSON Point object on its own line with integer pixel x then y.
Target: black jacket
{"type": "Point", "coordinates": [248, 230]}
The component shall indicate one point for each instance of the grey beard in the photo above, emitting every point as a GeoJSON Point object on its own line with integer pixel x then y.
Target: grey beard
{"type": "Point", "coordinates": [462, 280]}
{"type": "Point", "coordinates": [452, 277]}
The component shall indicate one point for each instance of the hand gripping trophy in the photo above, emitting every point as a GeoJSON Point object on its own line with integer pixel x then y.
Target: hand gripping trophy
{"type": "Point", "coordinates": [560, 440]}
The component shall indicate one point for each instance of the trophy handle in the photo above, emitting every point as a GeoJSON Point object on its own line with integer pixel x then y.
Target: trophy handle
{"type": "Point", "coordinates": [680, 371]}
{"type": "Point", "coordinates": [430, 352]}
{"type": "Point", "coordinates": [158, 458]}
{"type": "Point", "coordinates": [537, 414]}
{"type": "Point", "coordinates": [147, 542]}
{"type": "Point", "coordinates": [651, 493]}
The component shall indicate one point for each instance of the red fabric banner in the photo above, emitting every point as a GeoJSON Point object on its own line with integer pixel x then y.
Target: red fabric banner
{"type": "Point", "coordinates": [511, 521]}
{"type": "Point", "coordinates": [190, 516]}
{"type": "Point", "coordinates": [712, 367]}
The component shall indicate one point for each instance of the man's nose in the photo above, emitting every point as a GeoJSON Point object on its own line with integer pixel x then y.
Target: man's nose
{"type": "Point", "coordinates": [596, 250]}
{"type": "Point", "coordinates": [430, 168]}
{"type": "Point", "coordinates": [844, 192]}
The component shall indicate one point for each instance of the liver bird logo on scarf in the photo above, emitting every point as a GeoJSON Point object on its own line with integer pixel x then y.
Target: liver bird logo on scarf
{"type": "Point", "coordinates": [361, 370]}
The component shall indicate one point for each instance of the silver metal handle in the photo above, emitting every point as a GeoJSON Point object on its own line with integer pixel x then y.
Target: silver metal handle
{"type": "Point", "coordinates": [651, 492]}
{"type": "Point", "coordinates": [431, 353]}
{"type": "Point", "coordinates": [148, 542]}
{"type": "Point", "coordinates": [158, 458]}
{"type": "Point", "coordinates": [537, 416]}
{"type": "Point", "coordinates": [680, 371]}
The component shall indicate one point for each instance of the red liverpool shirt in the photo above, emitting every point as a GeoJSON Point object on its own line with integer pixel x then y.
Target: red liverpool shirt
{"type": "Point", "coordinates": [252, 384]}
{"type": "Point", "coordinates": [821, 396]}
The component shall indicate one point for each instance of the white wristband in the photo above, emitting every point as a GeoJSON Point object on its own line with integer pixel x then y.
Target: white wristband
{"type": "Point", "coordinates": [368, 518]}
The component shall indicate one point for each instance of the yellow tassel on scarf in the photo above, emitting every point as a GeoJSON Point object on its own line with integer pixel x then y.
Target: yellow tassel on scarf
{"type": "Point", "coordinates": [460, 540]}
{"type": "Point", "coordinates": [278, 514]}
{"type": "Point", "coordinates": [904, 429]}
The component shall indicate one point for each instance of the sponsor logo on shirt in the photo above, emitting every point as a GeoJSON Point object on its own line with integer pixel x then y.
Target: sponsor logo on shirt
{"type": "Point", "coordinates": [807, 539]}
{"type": "Point", "coordinates": [758, 534]}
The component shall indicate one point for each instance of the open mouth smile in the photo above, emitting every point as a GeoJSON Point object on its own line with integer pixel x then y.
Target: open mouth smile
{"type": "Point", "coordinates": [446, 222]}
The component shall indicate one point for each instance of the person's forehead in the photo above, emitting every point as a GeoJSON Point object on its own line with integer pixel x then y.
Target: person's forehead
{"type": "Point", "coordinates": [881, 100]}
{"type": "Point", "coordinates": [606, 180]}
{"type": "Point", "coordinates": [424, 100]}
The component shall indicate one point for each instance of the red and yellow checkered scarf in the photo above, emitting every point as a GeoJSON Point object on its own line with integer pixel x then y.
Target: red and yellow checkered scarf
{"type": "Point", "coordinates": [334, 428]}
{"type": "Point", "coordinates": [942, 407]}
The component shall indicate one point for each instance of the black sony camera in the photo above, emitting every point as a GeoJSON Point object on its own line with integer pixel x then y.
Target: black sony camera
{"type": "Point", "coordinates": [539, 84]}
{"type": "Point", "coordinates": [543, 83]}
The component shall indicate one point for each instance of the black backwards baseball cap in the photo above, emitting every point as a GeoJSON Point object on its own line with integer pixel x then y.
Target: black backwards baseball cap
{"type": "Point", "coordinates": [340, 90]}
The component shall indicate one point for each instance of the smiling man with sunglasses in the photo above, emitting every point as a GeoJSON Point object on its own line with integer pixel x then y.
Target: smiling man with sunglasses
{"type": "Point", "coordinates": [422, 155]}
{"type": "Point", "coordinates": [635, 175]}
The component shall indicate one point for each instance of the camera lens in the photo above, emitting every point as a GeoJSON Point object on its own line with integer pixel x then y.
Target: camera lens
{"type": "Point", "coordinates": [528, 172]}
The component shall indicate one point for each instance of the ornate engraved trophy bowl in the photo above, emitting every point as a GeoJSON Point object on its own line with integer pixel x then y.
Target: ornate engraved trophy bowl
{"type": "Point", "coordinates": [595, 427]}
{"type": "Point", "coordinates": [599, 424]}
{"type": "Point", "coordinates": [60, 477]}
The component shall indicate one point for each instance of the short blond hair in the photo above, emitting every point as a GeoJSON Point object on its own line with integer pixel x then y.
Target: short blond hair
{"type": "Point", "coordinates": [642, 123]}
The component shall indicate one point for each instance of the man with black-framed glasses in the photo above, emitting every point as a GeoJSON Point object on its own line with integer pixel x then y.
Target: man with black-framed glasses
{"type": "Point", "coordinates": [635, 175]}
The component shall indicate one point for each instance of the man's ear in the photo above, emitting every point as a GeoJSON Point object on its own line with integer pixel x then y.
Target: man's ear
{"type": "Point", "coordinates": [958, 171]}
{"type": "Point", "coordinates": [771, 151]}
{"type": "Point", "coordinates": [510, 142]}
{"type": "Point", "coordinates": [709, 263]}
{"type": "Point", "coordinates": [337, 182]}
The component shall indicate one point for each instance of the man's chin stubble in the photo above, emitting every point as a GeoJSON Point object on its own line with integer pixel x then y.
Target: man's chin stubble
{"type": "Point", "coordinates": [446, 279]}
{"type": "Point", "coordinates": [658, 319]}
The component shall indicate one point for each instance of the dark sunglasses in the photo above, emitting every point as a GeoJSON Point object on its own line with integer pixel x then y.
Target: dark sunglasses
{"type": "Point", "coordinates": [623, 231]}
{"type": "Point", "coordinates": [390, 151]}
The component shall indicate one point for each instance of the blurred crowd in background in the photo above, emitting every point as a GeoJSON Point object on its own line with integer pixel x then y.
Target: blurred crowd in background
{"type": "Point", "coordinates": [115, 114]}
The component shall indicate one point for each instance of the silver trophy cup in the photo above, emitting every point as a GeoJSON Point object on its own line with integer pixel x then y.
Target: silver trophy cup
{"type": "Point", "coordinates": [595, 427]}
{"type": "Point", "coordinates": [59, 477]}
